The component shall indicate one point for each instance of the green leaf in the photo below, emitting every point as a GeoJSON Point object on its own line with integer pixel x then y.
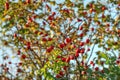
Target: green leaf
{"type": "Point", "coordinates": [103, 55]}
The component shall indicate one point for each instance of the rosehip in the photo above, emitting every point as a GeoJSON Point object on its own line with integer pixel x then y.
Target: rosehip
{"type": "Point", "coordinates": [28, 1]}
{"type": "Point", "coordinates": [23, 56]}
{"type": "Point", "coordinates": [63, 59]}
{"type": "Point", "coordinates": [58, 76]}
{"type": "Point", "coordinates": [87, 41]}
{"type": "Point", "coordinates": [96, 69]}
{"type": "Point", "coordinates": [81, 35]}
{"type": "Point", "coordinates": [81, 43]}
{"type": "Point", "coordinates": [6, 5]}
{"type": "Point", "coordinates": [67, 40]}
{"type": "Point", "coordinates": [61, 73]}
{"type": "Point", "coordinates": [80, 28]}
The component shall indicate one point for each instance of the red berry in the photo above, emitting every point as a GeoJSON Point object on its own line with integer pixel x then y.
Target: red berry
{"type": "Point", "coordinates": [28, 1]}
{"type": "Point", "coordinates": [49, 49]}
{"type": "Point", "coordinates": [68, 59]}
{"type": "Point", "coordinates": [23, 56]}
{"type": "Point", "coordinates": [10, 62]}
{"type": "Point", "coordinates": [96, 69]}
{"type": "Point", "coordinates": [30, 20]}
{"type": "Point", "coordinates": [49, 39]}
{"type": "Point", "coordinates": [28, 45]}
{"type": "Point", "coordinates": [61, 45]}
{"type": "Point", "coordinates": [82, 50]}
{"type": "Point", "coordinates": [88, 49]}
{"type": "Point", "coordinates": [117, 62]}
{"type": "Point", "coordinates": [67, 40]}
{"type": "Point", "coordinates": [61, 73]}
{"type": "Point", "coordinates": [58, 76]}
{"type": "Point", "coordinates": [18, 52]}
{"type": "Point", "coordinates": [76, 54]}
{"type": "Point", "coordinates": [79, 20]}
{"type": "Point", "coordinates": [72, 57]}
{"type": "Point", "coordinates": [44, 39]}
{"type": "Point", "coordinates": [50, 18]}
{"type": "Point", "coordinates": [91, 62]}
{"type": "Point", "coordinates": [77, 50]}
{"type": "Point", "coordinates": [6, 5]}
{"type": "Point", "coordinates": [65, 68]}
{"type": "Point", "coordinates": [92, 29]}
{"type": "Point", "coordinates": [15, 35]}
{"type": "Point", "coordinates": [81, 35]}
{"type": "Point", "coordinates": [63, 59]}
{"type": "Point", "coordinates": [83, 72]}
{"type": "Point", "coordinates": [58, 56]}
{"type": "Point", "coordinates": [87, 41]}
{"type": "Point", "coordinates": [103, 8]}
{"type": "Point", "coordinates": [54, 13]}
{"type": "Point", "coordinates": [81, 43]}
{"type": "Point", "coordinates": [80, 28]}
{"type": "Point", "coordinates": [20, 63]}
{"type": "Point", "coordinates": [19, 70]}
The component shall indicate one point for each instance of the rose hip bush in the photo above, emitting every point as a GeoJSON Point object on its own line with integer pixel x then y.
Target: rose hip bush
{"type": "Point", "coordinates": [61, 40]}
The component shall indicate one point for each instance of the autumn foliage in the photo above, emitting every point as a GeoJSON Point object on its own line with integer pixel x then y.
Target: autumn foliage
{"type": "Point", "coordinates": [61, 40]}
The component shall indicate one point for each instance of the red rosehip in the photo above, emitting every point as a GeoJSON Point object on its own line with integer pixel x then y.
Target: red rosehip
{"type": "Point", "coordinates": [50, 18]}
{"type": "Point", "coordinates": [91, 62]}
{"type": "Point", "coordinates": [61, 45]}
{"type": "Point", "coordinates": [88, 49]}
{"type": "Point", "coordinates": [30, 20]}
{"type": "Point", "coordinates": [102, 62]}
{"type": "Point", "coordinates": [103, 8]}
{"type": "Point", "coordinates": [65, 68]}
{"type": "Point", "coordinates": [76, 54]}
{"type": "Point", "coordinates": [58, 56]}
{"type": "Point", "coordinates": [67, 40]}
{"type": "Point", "coordinates": [87, 41]}
{"type": "Point", "coordinates": [28, 1]}
{"type": "Point", "coordinates": [19, 70]}
{"type": "Point", "coordinates": [92, 29]}
{"type": "Point", "coordinates": [7, 5]}
{"type": "Point", "coordinates": [81, 35]}
{"type": "Point", "coordinates": [23, 56]}
{"type": "Point", "coordinates": [68, 59]}
{"type": "Point", "coordinates": [28, 45]}
{"type": "Point", "coordinates": [79, 20]}
{"type": "Point", "coordinates": [61, 73]}
{"type": "Point", "coordinates": [58, 76]}
{"type": "Point", "coordinates": [77, 50]}
{"type": "Point", "coordinates": [63, 59]}
{"type": "Point", "coordinates": [10, 62]}
{"type": "Point", "coordinates": [80, 28]}
{"type": "Point", "coordinates": [18, 52]}
{"type": "Point", "coordinates": [49, 49]}
{"type": "Point", "coordinates": [15, 35]}
{"type": "Point", "coordinates": [83, 72]}
{"type": "Point", "coordinates": [20, 63]}
{"type": "Point", "coordinates": [49, 39]}
{"type": "Point", "coordinates": [72, 57]}
{"type": "Point", "coordinates": [54, 13]}
{"type": "Point", "coordinates": [44, 39]}
{"type": "Point", "coordinates": [81, 43]}
{"type": "Point", "coordinates": [117, 62]}
{"type": "Point", "coordinates": [84, 13]}
{"type": "Point", "coordinates": [82, 50]}
{"type": "Point", "coordinates": [96, 69]}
